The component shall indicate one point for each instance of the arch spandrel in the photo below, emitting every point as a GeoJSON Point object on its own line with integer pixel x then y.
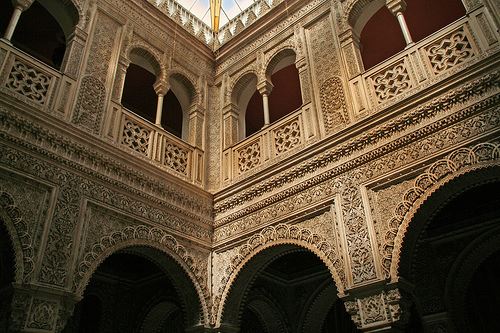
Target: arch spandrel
{"type": "Point", "coordinates": [290, 238]}
{"type": "Point", "coordinates": [458, 163]}
{"type": "Point", "coordinates": [148, 237]}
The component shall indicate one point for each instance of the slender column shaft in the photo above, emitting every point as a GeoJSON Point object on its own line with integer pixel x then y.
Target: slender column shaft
{"type": "Point", "coordinates": [13, 22]}
{"type": "Point", "coordinates": [404, 28]}
{"type": "Point", "coordinates": [159, 109]}
{"type": "Point", "coordinates": [265, 102]}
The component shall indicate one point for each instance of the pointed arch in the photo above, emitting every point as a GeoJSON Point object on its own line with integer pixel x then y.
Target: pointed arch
{"type": "Point", "coordinates": [286, 94]}
{"type": "Point", "coordinates": [458, 163]}
{"type": "Point", "coordinates": [67, 13]}
{"type": "Point", "coordinates": [279, 240]}
{"type": "Point", "coordinates": [184, 95]}
{"type": "Point", "coordinates": [183, 87]}
{"type": "Point", "coordinates": [150, 239]}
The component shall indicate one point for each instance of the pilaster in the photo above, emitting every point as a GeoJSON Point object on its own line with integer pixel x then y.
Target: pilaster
{"type": "Point", "coordinates": [378, 308]}
{"type": "Point", "coordinates": [40, 309]}
{"type": "Point", "coordinates": [231, 128]}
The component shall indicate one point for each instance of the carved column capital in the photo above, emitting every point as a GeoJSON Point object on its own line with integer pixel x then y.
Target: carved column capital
{"type": "Point", "coordinates": [22, 4]}
{"type": "Point", "coordinates": [385, 308]}
{"type": "Point", "coordinates": [161, 86]}
{"type": "Point", "coordinates": [265, 87]}
{"type": "Point", "coordinates": [396, 6]}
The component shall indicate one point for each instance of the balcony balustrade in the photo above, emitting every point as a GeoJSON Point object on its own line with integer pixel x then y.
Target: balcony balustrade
{"type": "Point", "coordinates": [270, 145]}
{"type": "Point", "coordinates": [423, 64]}
{"type": "Point", "coordinates": [35, 83]}
{"type": "Point", "coordinates": [151, 142]}
{"type": "Point", "coordinates": [27, 79]}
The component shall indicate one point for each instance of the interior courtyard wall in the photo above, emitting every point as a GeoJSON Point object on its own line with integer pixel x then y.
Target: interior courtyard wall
{"type": "Point", "coordinates": [73, 198]}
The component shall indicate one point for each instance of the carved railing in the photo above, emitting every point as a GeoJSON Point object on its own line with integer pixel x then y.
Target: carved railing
{"type": "Point", "coordinates": [270, 145]}
{"type": "Point", "coordinates": [203, 32]}
{"type": "Point", "coordinates": [147, 141]}
{"type": "Point", "coordinates": [35, 83]}
{"type": "Point", "coordinates": [425, 63]}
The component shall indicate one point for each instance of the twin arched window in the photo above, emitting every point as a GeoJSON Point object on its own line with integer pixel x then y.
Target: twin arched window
{"type": "Point", "coordinates": [381, 33]}
{"type": "Point", "coordinates": [41, 30]}
{"type": "Point", "coordinates": [164, 101]}
{"type": "Point", "coordinates": [280, 90]}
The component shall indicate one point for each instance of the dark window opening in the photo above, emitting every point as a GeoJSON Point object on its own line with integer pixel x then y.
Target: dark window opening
{"type": "Point", "coordinates": [139, 95]}
{"type": "Point", "coordinates": [39, 34]}
{"type": "Point", "coordinates": [425, 17]}
{"type": "Point", "coordinates": [286, 96]}
{"type": "Point", "coordinates": [171, 117]}
{"type": "Point", "coordinates": [380, 38]}
{"type": "Point", "coordinates": [254, 115]}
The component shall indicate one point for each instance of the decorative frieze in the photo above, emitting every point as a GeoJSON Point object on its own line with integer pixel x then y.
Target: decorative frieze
{"type": "Point", "coordinates": [294, 199]}
{"type": "Point", "coordinates": [458, 98]}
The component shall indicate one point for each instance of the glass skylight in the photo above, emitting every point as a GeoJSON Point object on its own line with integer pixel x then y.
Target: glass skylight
{"type": "Point", "coordinates": [230, 9]}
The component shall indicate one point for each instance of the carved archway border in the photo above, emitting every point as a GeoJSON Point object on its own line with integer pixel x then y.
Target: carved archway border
{"type": "Point", "coordinates": [277, 54]}
{"type": "Point", "coordinates": [19, 235]}
{"type": "Point", "coordinates": [142, 235]}
{"type": "Point", "coordinates": [464, 269]}
{"type": "Point", "coordinates": [272, 236]}
{"type": "Point", "coordinates": [188, 81]}
{"type": "Point", "coordinates": [236, 84]}
{"type": "Point", "coordinates": [138, 43]}
{"type": "Point", "coordinates": [353, 11]}
{"type": "Point", "coordinates": [457, 163]}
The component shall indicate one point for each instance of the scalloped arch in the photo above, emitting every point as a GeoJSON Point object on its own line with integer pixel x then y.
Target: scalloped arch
{"type": "Point", "coordinates": [146, 236]}
{"type": "Point", "coordinates": [273, 236]}
{"type": "Point", "coordinates": [17, 229]}
{"type": "Point", "coordinates": [457, 163]}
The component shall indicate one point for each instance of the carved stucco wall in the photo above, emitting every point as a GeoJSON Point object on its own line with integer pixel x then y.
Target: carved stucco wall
{"type": "Point", "coordinates": [71, 206]}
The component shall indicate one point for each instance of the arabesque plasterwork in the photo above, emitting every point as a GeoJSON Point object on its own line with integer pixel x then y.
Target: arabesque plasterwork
{"type": "Point", "coordinates": [342, 177]}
